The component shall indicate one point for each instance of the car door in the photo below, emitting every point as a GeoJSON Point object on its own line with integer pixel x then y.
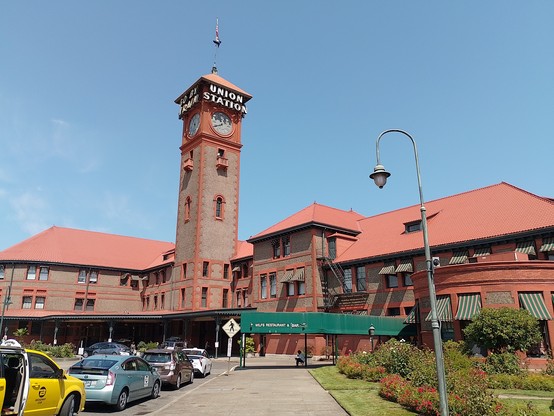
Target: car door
{"type": "Point", "coordinates": [45, 391]}
{"type": "Point", "coordinates": [132, 378]}
{"type": "Point", "coordinates": [147, 379]}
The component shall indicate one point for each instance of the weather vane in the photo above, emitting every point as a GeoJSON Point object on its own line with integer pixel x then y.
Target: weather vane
{"type": "Point", "coordinates": [217, 42]}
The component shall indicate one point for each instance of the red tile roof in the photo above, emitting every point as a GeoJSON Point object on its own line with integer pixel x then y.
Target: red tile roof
{"type": "Point", "coordinates": [490, 212]}
{"type": "Point", "coordinates": [244, 249]}
{"type": "Point", "coordinates": [79, 247]}
{"type": "Point", "coordinates": [316, 214]}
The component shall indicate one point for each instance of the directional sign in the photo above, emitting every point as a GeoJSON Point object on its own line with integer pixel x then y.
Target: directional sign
{"type": "Point", "coordinates": [231, 328]}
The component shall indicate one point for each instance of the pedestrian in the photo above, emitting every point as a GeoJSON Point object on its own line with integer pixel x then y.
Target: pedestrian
{"type": "Point", "coordinates": [300, 359]}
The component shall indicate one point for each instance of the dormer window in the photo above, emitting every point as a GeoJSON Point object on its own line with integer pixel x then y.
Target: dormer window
{"type": "Point", "coordinates": [412, 227]}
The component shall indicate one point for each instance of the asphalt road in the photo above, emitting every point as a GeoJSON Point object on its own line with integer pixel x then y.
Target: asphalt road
{"type": "Point", "coordinates": [167, 395]}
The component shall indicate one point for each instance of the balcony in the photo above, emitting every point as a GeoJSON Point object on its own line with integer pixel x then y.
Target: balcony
{"type": "Point", "coordinates": [222, 163]}
{"type": "Point", "coordinates": [188, 165]}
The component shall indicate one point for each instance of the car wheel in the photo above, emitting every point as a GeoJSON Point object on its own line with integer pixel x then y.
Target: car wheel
{"type": "Point", "coordinates": [155, 390]}
{"type": "Point", "coordinates": [178, 384]}
{"type": "Point", "coordinates": [68, 407]}
{"type": "Point", "coordinates": [122, 400]}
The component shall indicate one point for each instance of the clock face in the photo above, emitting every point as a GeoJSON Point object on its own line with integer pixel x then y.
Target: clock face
{"type": "Point", "coordinates": [221, 123]}
{"type": "Point", "coordinates": [194, 124]}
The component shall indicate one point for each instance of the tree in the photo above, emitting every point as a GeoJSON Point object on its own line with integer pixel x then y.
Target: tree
{"type": "Point", "coordinates": [504, 330]}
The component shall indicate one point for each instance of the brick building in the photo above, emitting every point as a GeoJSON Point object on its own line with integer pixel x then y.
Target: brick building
{"type": "Point", "coordinates": [67, 285]}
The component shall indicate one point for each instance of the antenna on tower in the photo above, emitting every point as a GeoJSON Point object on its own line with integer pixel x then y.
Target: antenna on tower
{"type": "Point", "coordinates": [217, 42]}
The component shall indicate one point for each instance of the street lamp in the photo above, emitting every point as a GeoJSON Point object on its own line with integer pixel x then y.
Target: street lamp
{"type": "Point", "coordinates": [371, 332]}
{"type": "Point", "coordinates": [380, 176]}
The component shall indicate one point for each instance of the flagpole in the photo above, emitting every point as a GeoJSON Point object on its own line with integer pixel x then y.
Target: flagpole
{"type": "Point", "coordinates": [217, 42]}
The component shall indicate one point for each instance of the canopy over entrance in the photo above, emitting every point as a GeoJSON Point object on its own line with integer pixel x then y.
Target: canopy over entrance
{"type": "Point", "coordinates": [322, 323]}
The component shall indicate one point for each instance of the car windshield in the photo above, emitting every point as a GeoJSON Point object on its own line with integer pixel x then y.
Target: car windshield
{"type": "Point", "coordinates": [192, 352]}
{"type": "Point", "coordinates": [157, 357]}
{"type": "Point", "coordinates": [195, 357]}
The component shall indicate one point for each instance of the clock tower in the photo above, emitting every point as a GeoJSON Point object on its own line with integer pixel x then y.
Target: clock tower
{"type": "Point", "coordinates": [212, 110]}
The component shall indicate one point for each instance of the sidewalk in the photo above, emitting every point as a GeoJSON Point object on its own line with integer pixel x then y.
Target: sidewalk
{"type": "Point", "coordinates": [269, 385]}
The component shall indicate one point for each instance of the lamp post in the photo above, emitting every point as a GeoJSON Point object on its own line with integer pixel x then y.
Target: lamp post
{"type": "Point", "coordinates": [380, 176]}
{"type": "Point", "coordinates": [371, 332]}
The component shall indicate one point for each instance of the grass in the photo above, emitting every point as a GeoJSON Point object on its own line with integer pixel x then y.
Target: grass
{"type": "Point", "coordinates": [357, 397]}
{"type": "Point", "coordinates": [361, 398]}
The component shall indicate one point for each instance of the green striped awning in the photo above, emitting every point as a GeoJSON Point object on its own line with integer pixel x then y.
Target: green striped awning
{"type": "Point", "coordinates": [298, 275]}
{"type": "Point", "coordinates": [469, 305]}
{"type": "Point", "coordinates": [287, 277]}
{"type": "Point", "coordinates": [405, 266]}
{"type": "Point", "coordinates": [482, 251]}
{"type": "Point", "coordinates": [534, 303]}
{"type": "Point", "coordinates": [527, 247]}
{"type": "Point", "coordinates": [444, 309]}
{"type": "Point", "coordinates": [459, 257]}
{"type": "Point", "coordinates": [547, 245]}
{"type": "Point", "coordinates": [412, 316]}
{"type": "Point", "coordinates": [389, 269]}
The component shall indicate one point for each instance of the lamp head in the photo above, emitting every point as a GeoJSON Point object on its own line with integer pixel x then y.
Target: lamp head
{"type": "Point", "coordinates": [371, 330]}
{"type": "Point", "coordinates": [379, 175]}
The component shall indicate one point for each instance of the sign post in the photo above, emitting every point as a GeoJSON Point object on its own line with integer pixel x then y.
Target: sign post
{"type": "Point", "coordinates": [231, 328]}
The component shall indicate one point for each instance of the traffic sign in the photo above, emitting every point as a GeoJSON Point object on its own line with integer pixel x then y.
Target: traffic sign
{"type": "Point", "coordinates": [231, 328]}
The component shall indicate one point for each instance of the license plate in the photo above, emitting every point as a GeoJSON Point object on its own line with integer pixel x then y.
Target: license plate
{"type": "Point", "coordinates": [90, 383]}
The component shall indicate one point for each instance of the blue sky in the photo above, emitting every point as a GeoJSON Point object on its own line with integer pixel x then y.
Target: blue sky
{"type": "Point", "coordinates": [89, 133]}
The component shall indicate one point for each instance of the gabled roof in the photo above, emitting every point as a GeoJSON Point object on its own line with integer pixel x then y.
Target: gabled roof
{"type": "Point", "coordinates": [90, 248]}
{"type": "Point", "coordinates": [486, 213]}
{"type": "Point", "coordinates": [244, 250]}
{"type": "Point", "coordinates": [315, 215]}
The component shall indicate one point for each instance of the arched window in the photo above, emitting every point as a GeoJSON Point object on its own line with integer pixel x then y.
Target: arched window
{"type": "Point", "coordinates": [187, 208]}
{"type": "Point", "coordinates": [219, 205]}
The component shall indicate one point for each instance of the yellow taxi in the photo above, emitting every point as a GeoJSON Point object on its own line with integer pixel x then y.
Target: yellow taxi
{"type": "Point", "coordinates": [31, 383]}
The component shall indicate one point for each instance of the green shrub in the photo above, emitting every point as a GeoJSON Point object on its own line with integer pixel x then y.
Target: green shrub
{"type": "Point", "coordinates": [58, 351]}
{"type": "Point", "coordinates": [503, 363]}
{"type": "Point", "coordinates": [143, 346]}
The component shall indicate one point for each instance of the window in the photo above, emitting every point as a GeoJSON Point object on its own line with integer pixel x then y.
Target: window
{"type": "Point", "coordinates": [225, 271]}
{"type": "Point", "coordinates": [43, 273]}
{"type": "Point", "coordinates": [155, 302]}
{"type": "Point", "coordinates": [332, 248]}
{"type": "Point", "coordinates": [286, 246]}
{"type": "Point", "coordinates": [134, 283]}
{"type": "Point", "coordinates": [225, 298]}
{"type": "Point", "coordinates": [219, 207]}
{"type": "Point", "coordinates": [276, 249]}
{"type": "Point", "coordinates": [124, 279]}
{"type": "Point", "coordinates": [347, 280]}
{"type": "Point", "coordinates": [188, 202]}
{"type": "Point", "coordinates": [78, 304]}
{"type": "Point", "coordinates": [408, 280]}
{"type": "Point", "coordinates": [183, 293]}
{"type": "Point", "coordinates": [90, 305]}
{"type": "Point", "coordinates": [360, 279]}
{"type": "Point", "coordinates": [393, 311]}
{"type": "Point", "coordinates": [184, 270]}
{"type": "Point", "coordinates": [204, 297]}
{"type": "Point", "coordinates": [162, 301]}
{"type": "Point", "coordinates": [245, 270]}
{"type": "Point", "coordinates": [82, 276]}
{"type": "Point", "coordinates": [31, 273]}
{"type": "Point", "coordinates": [157, 277]}
{"type": "Point", "coordinates": [164, 278]}
{"type": "Point", "coordinates": [245, 298]}
{"type": "Point", "coordinates": [392, 280]}
{"type": "Point", "coordinates": [290, 289]}
{"type": "Point", "coordinates": [27, 302]}
{"type": "Point", "coordinates": [238, 299]}
{"type": "Point", "coordinates": [413, 227]}
{"type": "Point", "coordinates": [220, 153]}
{"type": "Point", "coordinates": [205, 268]}
{"type": "Point", "coordinates": [93, 277]}
{"type": "Point", "coordinates": [2, 271]}
{"type": "Point", "coordinates": [263, 286]}
{"type": "Point", "coordinates": [39, 302]}
{"type": "Point", "coordinates": [301, 288]}
{"type": "Point", "coordinates": [272, 285]}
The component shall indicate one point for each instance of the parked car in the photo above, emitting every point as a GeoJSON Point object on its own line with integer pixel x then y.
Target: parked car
{"type": "Point", "coordinates": [201, 361]}
{"type": "Point", "coordinates": [174, 343]}
{"type": "Point", "coordinates": [173, 366]}
{"type": "Point", "coordinates": [112, 348]}
{"type": "Point", "coordinates": [116, 379]}
{"type": "Point", "coordinates": [31, 383]}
